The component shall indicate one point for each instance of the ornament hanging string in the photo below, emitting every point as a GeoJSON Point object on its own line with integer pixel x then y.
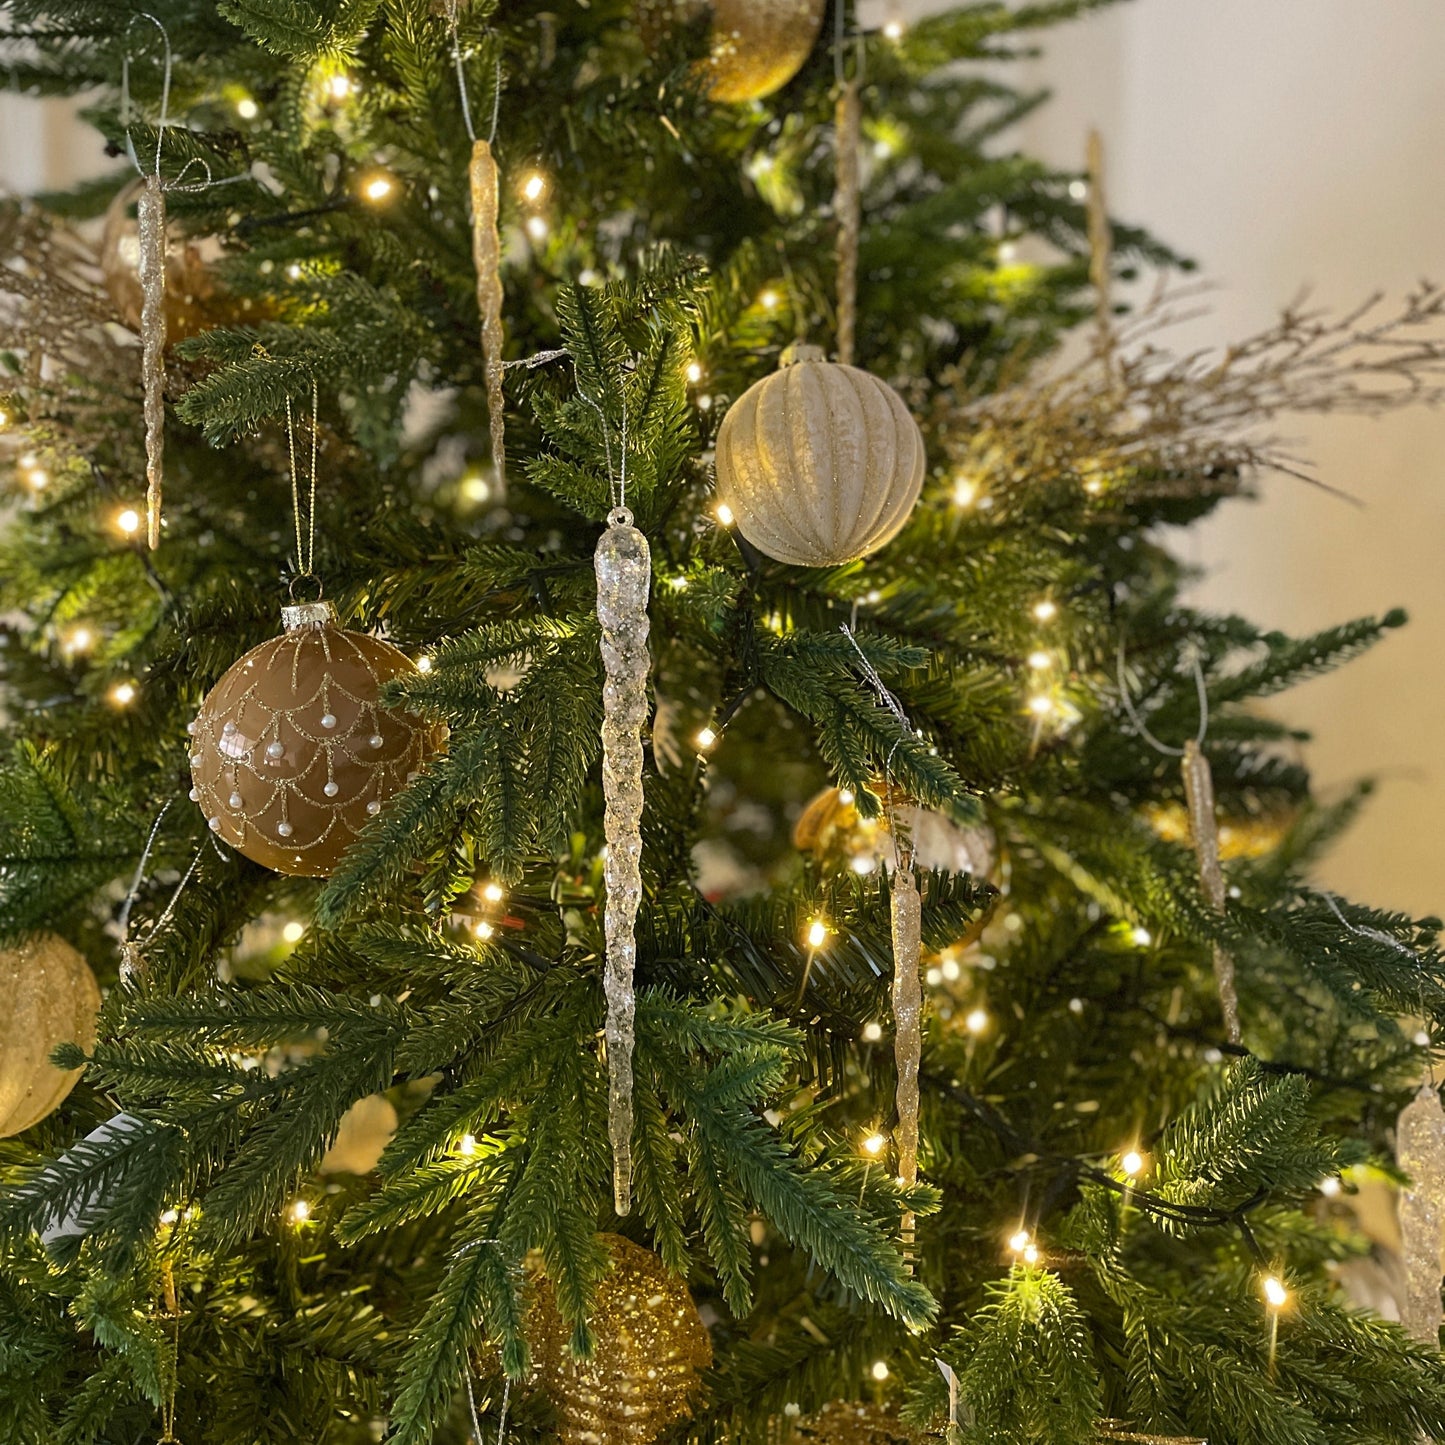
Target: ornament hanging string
{"type": "Point", "coordinates": [305, 550]}
{"type": "Point", "coordinates": [1203, 825]}
{"type": "Point", "coordinates": [132, 953]}
{"type": "Point", "coordinates": [623, 564]}
{"type": "Point", "coordinates": [151, 237]}
{"type": "Point", "coordinates": [906, 908]}
{"type": "Point", "coordinates": [847, 194]}
{"type": "Point", "coordinates": [476, 1419]}
{"type": "Point", "coordinates": [484, 185]}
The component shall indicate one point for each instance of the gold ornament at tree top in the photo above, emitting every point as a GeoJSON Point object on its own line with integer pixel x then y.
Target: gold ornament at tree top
{"type": "Point", "coordinates": [820, 463]}
{"type": "Point", "coordinates": [292, 753]}
{"type": "Point", "coordinates": [651, 1348]}
{"type": "Point", "coordinates": [51, 998]}
{"type": "Point", "coordinates": [757, 46]}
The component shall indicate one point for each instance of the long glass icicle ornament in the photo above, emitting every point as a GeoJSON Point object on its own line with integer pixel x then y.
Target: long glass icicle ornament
{"type": "Point", "coordinates": [487, 258]}
{"type": "Point", "coordinates": [624, 579]}
{"type": "Point", "coordinates": [1420, 1148]}
{"type": "Point", "coordinates": [151, 226]}
{"type": "Point", "coordinates": [1204, 832]}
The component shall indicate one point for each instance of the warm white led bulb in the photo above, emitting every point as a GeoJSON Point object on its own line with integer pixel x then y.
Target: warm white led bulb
{"type": "Point", "coordinates": [875, 1144]}
{"type": "Point", "coordinates": [1330, 1187]}
{"type": "Point", "coordinates": [339, 86]}
{"type": "Point", "coordinates": [247, 108]}
{"type": "Point", "coordinates": [1020, 1241]}
{"type": "Point", "coordinates": [1276, 1296]}
{"type": "Point", "coordinates": [1040, 661]}
{"type": "Point", "coordinates": [534, 185]}
{"type": "Point", "coordinates": [423, 663]}
{"type": "Point", "coordinates": [965, 492]}
{"type": "Point", "coordinates": [484, 930]}
{"type": "Point", "coordinates": [872, 1032]}
{"type": "Point", "coordinates": [706, 738]}
{"type": "Point", "coordinates": [293, 932]}
{"type": "Point", "coordinates": [817, 933]}
{"type": "Point", "coordinates": [378, 188]}
{"type": "Point", "coordinates": [1132, 1163]}
{"type": "Point", "coordinates": [724, 514]}
{"type": "Point", "coordinates": [1040, 705]}
{"type": "Point", "coordinates": [123, 694]}
{"type": "Point", "coordinates": [537, 228]}
{"type": "Point", "coordinates": [976, 1021]}
{"type": "Point", "coordinates": [768, 300]}
{"type": "Point", "coordinates": [879, 1370]}
{"type": "Point", "coordinates": [494, 893]}
{"type": "Point", "coordinates": [694, 372]}
{"type": "Point", "coordinates": [128, 521]}
{"type": "Point", "coordinates": [893, 30]}
{"type": "Point", "coordinates": [1031, 1255]}
{"type": "Point", "coordinates": [300, 1211]}
{"type": "Point", "coordinates": [1046, 610]}
{"type": "Point", "coordinates": [1142, 937]}
{"type": "Point", "coordinates": [467, 1144]}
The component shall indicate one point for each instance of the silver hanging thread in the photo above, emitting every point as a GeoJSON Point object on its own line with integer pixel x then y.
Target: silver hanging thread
{"type": "Point", "coordinates": [485, 186]}
{"type": "Point", "coordinates": [847, 207]}
{"type": "Point", "coordinates": [1203, 829]}
{"type": "Point", "coordinates": [623, 564]}
{"type": "Point", "coordinates": [906, 909]}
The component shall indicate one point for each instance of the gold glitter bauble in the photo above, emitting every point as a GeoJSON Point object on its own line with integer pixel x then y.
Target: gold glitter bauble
{"type": "Point", "coordinates": [757, 46]}
{"type": "Point", "coordinates": [1240, 836]}
{"type": "Point", "coordinates": [51, 998]}
{"type": "Point", "coordinates": [651, 1347]}
{"type": "Point", "coordinates": [292, 753]}
{"type": "Point", "coordinates": [852, 1422]}
{"type": "Point", "coordinates": [819, 463]}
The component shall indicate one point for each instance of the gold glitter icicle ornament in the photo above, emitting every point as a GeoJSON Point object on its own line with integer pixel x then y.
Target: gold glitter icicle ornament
{"type": "Point", "coordinates": [151, 220]}
{"type": "Point", "coordinates": [757, 46]}
{"type": "Point", "coordinates": [292, 753]}
{"type": "Point", "coordinates": [848, 211]}
{"type": "Point", "coordinates": [487, 257]}
{"type": "Point", "coordinates": [1420, 1149]}
{"type": "Point", "coordinates": [51, 998]}
{"type": "Point", "coordinates": [820, 463]}
{"type": "Point", "coordinates": [651, 1348]}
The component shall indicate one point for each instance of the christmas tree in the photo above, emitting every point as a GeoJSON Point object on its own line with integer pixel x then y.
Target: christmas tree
{"type": "Point", "coordinates": [954, 1046]}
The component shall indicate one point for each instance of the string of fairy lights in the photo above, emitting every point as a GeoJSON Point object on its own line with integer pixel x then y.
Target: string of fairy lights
{"type": "Point", "coordinates": [1042, 702]}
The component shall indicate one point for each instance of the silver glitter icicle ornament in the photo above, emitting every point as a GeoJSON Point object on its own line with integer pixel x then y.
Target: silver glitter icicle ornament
{"type": "Point", "coordinates": [624, 579]}
{"type": "Point", "coordinates": [1420, 1149]}
{"type": "Point", "coordinates": [907, 910]}
{"type": "Point", "coordinates": [1204, 833]}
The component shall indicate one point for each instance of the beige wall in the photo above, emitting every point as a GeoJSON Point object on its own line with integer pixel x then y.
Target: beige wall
{"type": "Point", "coordinates": [1280, 142]}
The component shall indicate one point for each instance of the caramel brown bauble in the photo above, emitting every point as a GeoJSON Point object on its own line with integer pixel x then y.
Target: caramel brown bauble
{"type": "Point", "coordinates": [651, 1347]}
{"type": "Point", "coordinates": [50, 997]}
{"type": "Point", "coordinates": [292, 753]}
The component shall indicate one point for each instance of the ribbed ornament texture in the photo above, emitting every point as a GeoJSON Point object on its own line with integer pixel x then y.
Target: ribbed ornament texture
{"type": "Point", "coordinates": [819, 463]}
{"type": "Point", "coordinates": [50, 997]}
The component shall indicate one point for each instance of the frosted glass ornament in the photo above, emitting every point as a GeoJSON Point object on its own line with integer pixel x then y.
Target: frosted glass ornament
{"type": "Point", "coordinates": [820, 463]}
{"type": "Point", "coordinates": [624, 580]}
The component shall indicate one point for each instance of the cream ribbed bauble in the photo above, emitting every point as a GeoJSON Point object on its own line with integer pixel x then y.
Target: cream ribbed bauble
{"type": "Point", "coordinates": [757, 46]}
{"type": "Point", "coordinates": [819, 463]}
{"type": "Point", "coordinates": [292, 753]}
{"type": "Point", "coordinates": [50, 997]}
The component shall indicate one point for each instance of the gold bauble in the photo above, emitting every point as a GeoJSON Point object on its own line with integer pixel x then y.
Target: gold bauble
{"type": "Point", "coordinates": [1240, 835]}
{"type": "Point", "coordinates": [831, 826]}
{"type": "Point", "coordinates": [757, 46]}
{"type": "Point", "coordinates": [651, 1347]}
{"type": "Point", "coordinates": [51, 997]}
{"type": "Point", "coordinates": [820, 463]}
{"type": "Point", "coordinates": [852, 1422]}
{"type": "Point", "coordinates": [292, 753]}
{"type": "Point", "coordinates": [194, 299]}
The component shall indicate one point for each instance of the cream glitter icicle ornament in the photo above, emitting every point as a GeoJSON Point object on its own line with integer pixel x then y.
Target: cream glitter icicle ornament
{"type": "Point", "coordinates": [484, 186]}
{"type": "Point", "coordinates": [151, 220]}
{"type": "Point", "coordinates": [1420, 1149]}
{"type": "Point", "coordinates": [1204, 833]}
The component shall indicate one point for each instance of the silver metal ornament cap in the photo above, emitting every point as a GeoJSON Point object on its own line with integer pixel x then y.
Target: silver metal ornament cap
{"type": "Point", "coordinates": [801, 351]}
{"type": "Point", "coordinates": [303, 616]}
